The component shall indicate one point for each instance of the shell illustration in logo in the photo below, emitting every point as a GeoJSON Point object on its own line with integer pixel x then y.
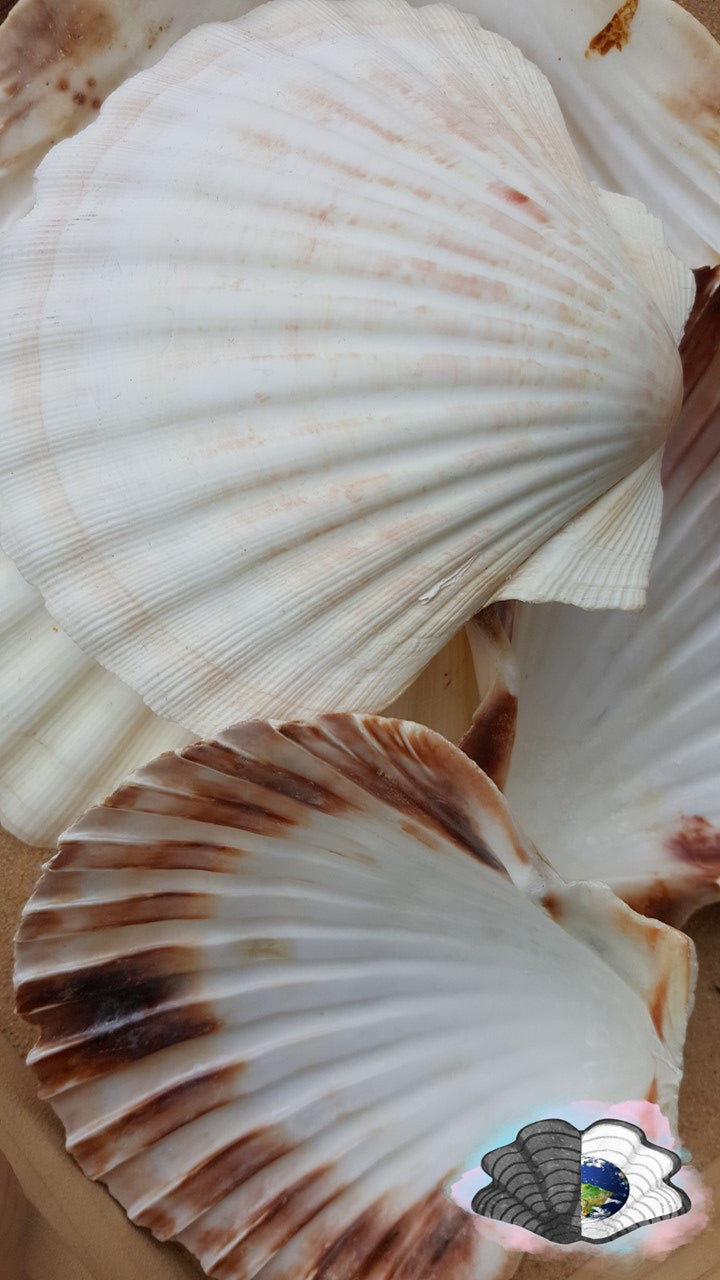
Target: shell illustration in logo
{"type": "Point", "coordinates": [567, 1184]}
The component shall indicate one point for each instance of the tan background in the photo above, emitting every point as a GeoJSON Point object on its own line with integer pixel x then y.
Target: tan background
{"type": "Point", "coordinates": [56, 1225]}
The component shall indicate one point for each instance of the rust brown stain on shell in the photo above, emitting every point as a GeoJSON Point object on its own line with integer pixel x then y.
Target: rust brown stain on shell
{"type": "Point", "coordinates": [490, 739]}
{"type": "Point", "coordinates": [207, 808]}
{"type": "Point", "coordinates": [272, 1225]}
{"type": "Point", "coordinates": [696, 843]}
{"type": "Point", "coordinates": [96, 1019]}
{"type": "Point", "coordinates": [553, 905]}
{"type": "Point", "coordinates": [699, 109]}
{"type": "Point", "coordinates": [111, 980]}
{"type": "Point", "coordinates": [110, 1047]}
{"type": "Point", "coordinates": [432, 1239]}
{"type": "Point", "coordinates": [272, 777]}
{"type": "Point", "coordinates": [424, 785]}
{"type": "Point", "coordinates": [616, 33]}
{"type": "Point", "coordinates": [444, 1243]}
{"type": "Point", "coordinates": [670, 902]}
{"type": "Point", "coordinates": [157, 1116]}
{"type": "Point", "coordinates": [39, 35]}
{"type": "Point", "coordinates": [520, 200]}
{"type": "Point", "coordinates": [157, 855]}
{"type": "Point", "coordinates": [652, 1092]}
{"type": "Point", "coordinates": [142, 909]}
{"type": "Point", "coordinates": [658, 1003]}
{"type": "Point", "coordinates": [215, 1177]}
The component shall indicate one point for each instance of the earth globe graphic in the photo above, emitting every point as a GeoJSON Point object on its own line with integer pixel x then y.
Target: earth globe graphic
{"type": "Point", "coordinates": [603, 1189]}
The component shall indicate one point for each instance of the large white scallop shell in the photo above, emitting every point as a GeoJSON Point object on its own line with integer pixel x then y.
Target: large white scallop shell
{"type": "Point", "coordinates": [289, 981]}
{"type": "Point", "coordinates": [616, 756]}
{"type": "Point", "coordinates": [318, 334]}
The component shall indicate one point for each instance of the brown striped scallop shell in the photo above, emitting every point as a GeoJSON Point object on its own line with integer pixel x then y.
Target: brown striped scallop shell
{"type": "Point", "coordinates": [287, 982]}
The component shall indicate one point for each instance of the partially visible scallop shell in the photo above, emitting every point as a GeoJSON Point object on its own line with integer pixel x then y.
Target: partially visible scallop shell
{"type": "Point", "coordinates": [616, 753]}
{"type": "Point", "coordinates": [60, 60]}
{"type": "Point", "coordinates": [69, 730]}
{"type": "Point", "coordinates": [289, 981]}
{"type": "Point", "coordinates": [639, 85]}
{"type": "Point", "coordinates": [319, 336]}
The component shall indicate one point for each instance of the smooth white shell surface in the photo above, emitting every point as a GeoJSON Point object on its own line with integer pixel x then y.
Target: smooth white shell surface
{"type": "Point", "coordinates": [317, 335]}
{"type": "Point", "coordinates": [289, 981]}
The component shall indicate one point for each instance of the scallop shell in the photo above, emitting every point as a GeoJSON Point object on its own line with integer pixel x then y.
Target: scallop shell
{"type": "Point", "coordinates": [59, 62]}
{"type": "Point", "coordinates": [639, 86]}
{"type": "Point", "coordinates": [536, 1180]}
{"type": "Point", "coordinates": [288, 981]}
{"type": "Point", "coordinates": [319, 334]}
{"type": "Point", "coordinates": [618, 768]}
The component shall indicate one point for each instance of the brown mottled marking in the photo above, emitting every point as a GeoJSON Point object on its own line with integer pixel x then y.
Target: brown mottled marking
{"type": "Point", "coordinates": [652, 1093]}
{"type": "Point", "coordinates": [133, 1039]}
{"type": "Point", "coordinates": [62, 85]}
{"type": "Point", "coordinates": [701, 111]}
{"type": "Point", "coordinates": [156, 1116]}
{"type": "Point", "coordinates": [348, 1254]}
{"type": "Point", "coordinates": [616, 33]}
{"type": "Point", "coordinates": [424, 786]}
{"type": "Point", "coordinates": [518, 198]}
{"type": "Point", "coordinates": [490, 739]}
{"type": "Point", "coordinates": [200, 808]}
{"type": "Point", "coordinates": [143, 909]}
{"type": "Point", "coordinates": [515, 196]}
{"type": "Point", "coordinates": [39, 35]}
{"type": "Point", "coordinates": [420, 834]}
{"type": "Point", "coordinates": [432, 1239]}
{"type": "Point", "coordinates": [176, 855]}
{"type": "Point", "coordinates": [80, 98]}
{"type": "Point", "coordinates": [155, 29]}
{"type": "Point", "coordinates": [274, 1224]}
{"type": "Point", "coordinates": [108, 989]}
{"type": "Point", "coordinates": [215, 1178]}
{"type": "Point", "coordinates": [670, 903]}
{"type": "Point", "coordinates": [91, 82]}
{"type": "Point", "coordinates": [96, 104]}
{"type": "Point", "coordinates": [11, 89]}
{"type": "Point", "coordinates": [448, 1245]}
{"type": "Point", "coordinates": [553, 906]}
{"type": "Point", "coordinates": [696, 842]}
{"type": "Point", "coordinates": [293, 786]}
